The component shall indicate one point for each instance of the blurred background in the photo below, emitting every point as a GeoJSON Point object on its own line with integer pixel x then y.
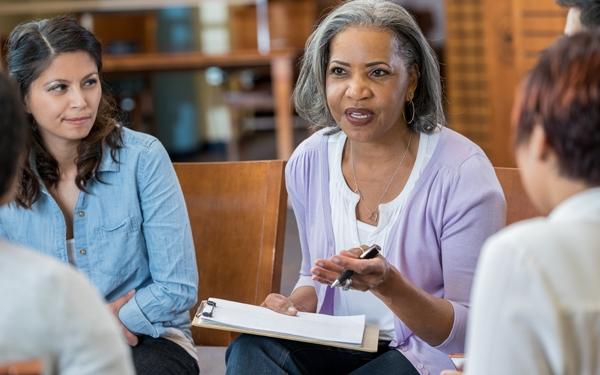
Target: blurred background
{"type": "Point", "coordinates": [212, 79]}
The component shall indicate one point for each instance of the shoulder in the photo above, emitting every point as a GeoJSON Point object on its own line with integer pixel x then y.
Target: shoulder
{"type": "Point", "coordinates": [311, 151]}
{"type": "Point", "coordinates": [455, 151]}
{"type": "Point", "coordinates": [519, 241]}
{"type": "Point", "coordinates": [141, 149]}
{"type": "Point", "coordinates": [138, 141]}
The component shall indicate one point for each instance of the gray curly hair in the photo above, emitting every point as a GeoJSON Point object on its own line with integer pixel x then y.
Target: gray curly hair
{"type": "Point", "coordinates": [309, 93]}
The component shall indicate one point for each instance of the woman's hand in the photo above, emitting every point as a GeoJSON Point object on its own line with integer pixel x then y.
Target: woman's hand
{"type": "Point", "coordinates": [368, 273]}
{"type": "Point", "coordinates": [280, 304]}
{"type": "Point", "coordinates": [115, 306]}
{"type": "Point", "coordinates": [303, 298]}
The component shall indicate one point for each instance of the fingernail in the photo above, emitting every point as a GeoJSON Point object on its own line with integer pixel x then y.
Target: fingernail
{"type": "Point", "coordinates": [335, 260]}
{"type": "Point", "coordinates": [320, 264]}
{"type": "Point", "coordinates": [292, 310]}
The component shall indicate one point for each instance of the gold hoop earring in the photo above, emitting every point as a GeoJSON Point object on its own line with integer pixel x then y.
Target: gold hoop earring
{"type": "Point", "coordinates": [412, 118]}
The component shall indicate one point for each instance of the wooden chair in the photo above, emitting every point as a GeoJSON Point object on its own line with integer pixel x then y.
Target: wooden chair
{"type": "Point", "coordinates": [33, 367]}
{"type": "Point", "coordinates": [518, 205]}
{"type": "Point", "coordinates": [237, 213]}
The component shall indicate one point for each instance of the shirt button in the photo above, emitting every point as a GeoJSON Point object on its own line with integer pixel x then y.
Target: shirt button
{"type": "Point", "coordinates": [403, 348]}
{"type": "Point", "coordinates": [81, 213]}
{"type": "Point", "coordinates": [420, 366]}
{"type": "Point", "coordinates": [82, 251]}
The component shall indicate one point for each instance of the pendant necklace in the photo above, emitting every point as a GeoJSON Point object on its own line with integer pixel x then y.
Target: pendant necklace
{"type": "Point", "coordinates": [374, 214]}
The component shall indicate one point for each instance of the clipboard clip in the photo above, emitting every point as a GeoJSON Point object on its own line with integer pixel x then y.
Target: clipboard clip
{"type": "Point", "coordinates": [206, 309]}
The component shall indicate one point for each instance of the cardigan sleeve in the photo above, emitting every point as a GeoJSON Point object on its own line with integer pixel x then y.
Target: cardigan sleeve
{"type": "Point", "coordinates": [296, 179]}
{"type": "Point", "coordinates": [474, 210]}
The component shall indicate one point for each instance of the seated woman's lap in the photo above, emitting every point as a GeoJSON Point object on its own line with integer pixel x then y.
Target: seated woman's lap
{"type": "Point", "coordinates": [158, 356]}
{"type": "Point", "coordinates": [256, 354]}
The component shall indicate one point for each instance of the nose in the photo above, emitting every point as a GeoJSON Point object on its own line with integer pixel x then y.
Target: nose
{"type": "Point", "coordinates": [358, 88]}
{"type": "Point", "coordinates": [77, 98]}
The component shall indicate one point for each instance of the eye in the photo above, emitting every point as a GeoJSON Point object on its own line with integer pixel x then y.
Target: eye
{"type": "Point", "coordinates": [379, 72]}
{"type": "Point", "coordinates": [337, 71]}
{"type": "Point", "coordinates": [90, 82]}
{"type": "Point", "coordinates": [59, 87]}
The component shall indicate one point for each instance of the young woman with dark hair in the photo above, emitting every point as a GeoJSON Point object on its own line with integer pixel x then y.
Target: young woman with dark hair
{"type": "Point", "coordinates": [100, 196]}
{"type": "Point", "coordinates": [50, 312]}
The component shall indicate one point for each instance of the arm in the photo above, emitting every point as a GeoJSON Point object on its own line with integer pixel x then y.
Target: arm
{"type": "Point", "coordinates": [170, 248]}
{"type": "Point", "coordinates": [304, 296]}
{"type": "Point", "coordinates": [474, 210]}
{"type": "Point", "coordinates": [514, 315]}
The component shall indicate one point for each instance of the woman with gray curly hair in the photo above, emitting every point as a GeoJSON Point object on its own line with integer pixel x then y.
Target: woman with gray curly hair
{"type": "Point", "coordinates": [382, 170]}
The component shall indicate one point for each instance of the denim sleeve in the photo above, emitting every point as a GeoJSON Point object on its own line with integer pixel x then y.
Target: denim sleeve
{"type": "Point", "coordinates": [169, 244]}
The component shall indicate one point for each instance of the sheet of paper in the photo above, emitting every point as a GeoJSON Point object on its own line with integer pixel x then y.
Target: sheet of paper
{"type": "Point", "coordinates": [345, 329]}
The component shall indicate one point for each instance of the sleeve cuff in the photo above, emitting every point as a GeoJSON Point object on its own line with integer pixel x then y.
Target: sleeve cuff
{"type": "Point", "coordinates": [134, 319]}
{"type": "Point", "coordinates": [455, 342]}
{"type": "Point", "coordinates": [304, 281]}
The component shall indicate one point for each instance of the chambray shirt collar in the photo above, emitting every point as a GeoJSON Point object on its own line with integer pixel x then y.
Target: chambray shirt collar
{"type": "Point", "coordinates": [107, 164]}
{"type": "Point", "coordinates": [584, 205]}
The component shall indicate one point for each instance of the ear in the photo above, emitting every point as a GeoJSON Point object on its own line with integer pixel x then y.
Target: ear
{"type": "Point", "coordinates": [538, 144]}
{"type": "Point", "coordinates": [26, 104]}
{"type": "Point", "coordinates": [413, 81]}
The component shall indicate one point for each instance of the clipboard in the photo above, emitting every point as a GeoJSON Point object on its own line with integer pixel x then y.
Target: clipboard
{"type": "Point", "coordinates": [207, 314]}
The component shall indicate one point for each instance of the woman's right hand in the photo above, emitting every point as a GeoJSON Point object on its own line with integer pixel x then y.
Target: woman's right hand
{"type": "Point", "coordinates": [280, 304]}
{"type": "Point", "coordinates": [115, 306]}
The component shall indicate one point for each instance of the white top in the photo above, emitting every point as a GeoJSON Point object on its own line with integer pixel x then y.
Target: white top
{"type": "Point", "coordinates": [349, 232]}
{"type": "Point", "coordinates": [536, 296]}
{"type": "Point", "coordinates": [71, 251]}
{"type": "Point", "coordinates": [52, 313]}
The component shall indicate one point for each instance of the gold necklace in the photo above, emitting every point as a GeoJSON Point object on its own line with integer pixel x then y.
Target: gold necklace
{"type": "Point", "coordinates": [374, 215]}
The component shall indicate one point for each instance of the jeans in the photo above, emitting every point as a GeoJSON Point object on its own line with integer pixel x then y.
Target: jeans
{"type": "Point", "coordinates": [160, 356]}
{"type": "Point", "coordinates": [250, 354]}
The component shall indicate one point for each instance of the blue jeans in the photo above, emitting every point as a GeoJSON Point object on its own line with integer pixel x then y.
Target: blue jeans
{"type": "Point", "coordinates": [250, 354]}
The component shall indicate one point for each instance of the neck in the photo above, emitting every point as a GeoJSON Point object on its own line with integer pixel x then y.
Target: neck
{"type": "Point", "coordinates": [385, 150]}
{"type": "Point", "coordinates": [562, 189]}
{"type": "Point", "coordinates": [65, 154]}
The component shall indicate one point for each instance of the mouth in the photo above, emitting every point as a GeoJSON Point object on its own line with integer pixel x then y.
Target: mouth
{"type": "Point", "coordinates": [78, 120]}
{"type": "Point", "coordinates": [359, 116]}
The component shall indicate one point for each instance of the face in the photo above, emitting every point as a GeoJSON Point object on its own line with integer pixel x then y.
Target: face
{"type": "Point", "coordinates": [367, 84]}
{"type": "Point", "coordinates": [573, 23]}
{"type": "Point", "coordinates": [64, 99]}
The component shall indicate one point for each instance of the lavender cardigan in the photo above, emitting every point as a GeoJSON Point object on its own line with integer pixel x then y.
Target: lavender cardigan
{"type": "Point", "coordinates": [456, 204]}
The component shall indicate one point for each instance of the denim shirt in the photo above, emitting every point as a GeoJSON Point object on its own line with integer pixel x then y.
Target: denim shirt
{"type": "Point", "coordinates": [131, 231]}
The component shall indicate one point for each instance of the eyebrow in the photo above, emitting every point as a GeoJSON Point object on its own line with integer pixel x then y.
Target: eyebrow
{"type": "Point", "coordinates": [66, 81]}
{"type": "Point", "coordinates": [373, 63]}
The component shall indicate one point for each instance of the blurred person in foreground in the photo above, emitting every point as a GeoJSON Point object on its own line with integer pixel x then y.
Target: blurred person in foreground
{"type": "Point", "coordinates": [536, 299]}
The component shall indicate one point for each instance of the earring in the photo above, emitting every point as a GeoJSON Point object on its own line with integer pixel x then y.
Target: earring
{"type": "Point", "coordinates": [412, 118]}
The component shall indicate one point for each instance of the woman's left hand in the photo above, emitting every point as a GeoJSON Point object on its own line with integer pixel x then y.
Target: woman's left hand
{"type": "Point", "coordinates": [368, 273]}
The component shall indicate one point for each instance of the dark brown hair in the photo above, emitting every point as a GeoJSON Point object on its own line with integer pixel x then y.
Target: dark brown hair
{"type": "Point", "coordinates": [31, 48]}
{"type": "Point", "coordinates": [12, 133]}
{"type": "Point", "coordinates": [590, 11]}
{"type": "Point", "coordinates": [562, 94]}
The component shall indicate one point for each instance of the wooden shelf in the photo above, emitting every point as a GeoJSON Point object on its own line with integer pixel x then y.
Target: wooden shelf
{"type": "Point", "coordinates": [281, 63]}
{"type": "Point", "coordinates": [149, 62]}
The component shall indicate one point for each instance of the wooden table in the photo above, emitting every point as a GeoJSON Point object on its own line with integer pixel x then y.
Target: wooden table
{"type": "Point", "coordinates": [282, 74]}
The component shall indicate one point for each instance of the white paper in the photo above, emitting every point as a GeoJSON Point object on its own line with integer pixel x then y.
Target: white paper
{"type": "Point", "coordinates": [343, 329]}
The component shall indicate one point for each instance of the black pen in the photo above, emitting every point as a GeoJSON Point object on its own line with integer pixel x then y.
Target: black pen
{"type": "Point", "coordinates": [369, 253]}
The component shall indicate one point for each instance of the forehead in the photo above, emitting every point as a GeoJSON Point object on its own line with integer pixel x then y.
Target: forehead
{"type": "Point", "coordinates": [363, 42]}
{"type": "Point", "coordinates": [69, 66]}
